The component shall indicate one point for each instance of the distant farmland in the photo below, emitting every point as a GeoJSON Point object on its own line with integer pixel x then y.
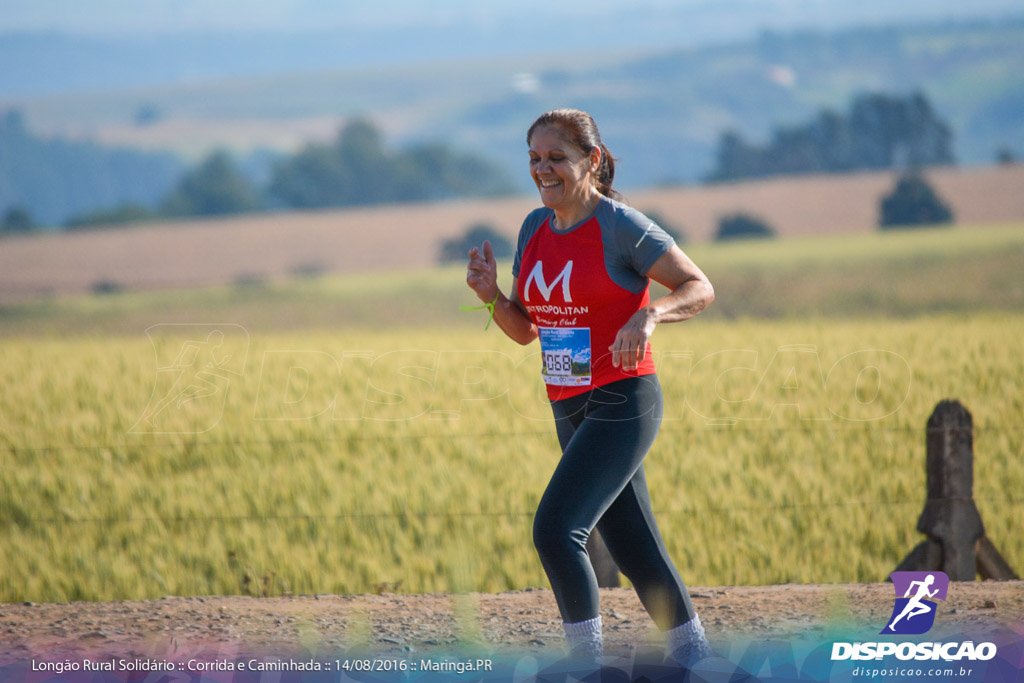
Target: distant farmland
{"type": "Point", "coordinates": [264, 247]}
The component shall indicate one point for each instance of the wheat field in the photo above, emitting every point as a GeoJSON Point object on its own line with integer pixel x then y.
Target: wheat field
{"type": "Point", "coordinates": [207, 459]}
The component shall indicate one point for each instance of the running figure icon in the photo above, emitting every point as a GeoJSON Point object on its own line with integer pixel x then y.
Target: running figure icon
{"type": "Point", "coordinates": [915, 606]}
{"type": "Point", "coordinates": [916, 595]}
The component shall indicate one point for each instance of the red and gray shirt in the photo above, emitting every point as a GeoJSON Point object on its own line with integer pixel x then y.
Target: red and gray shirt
{"type": "Point", "coordinates": [581, 285]}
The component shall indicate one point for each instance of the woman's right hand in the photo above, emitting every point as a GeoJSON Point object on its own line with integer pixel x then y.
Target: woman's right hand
{"type": "Point", "coordinates": [509, 314]}
{"type": "Point", "coordinates": [482, 272]}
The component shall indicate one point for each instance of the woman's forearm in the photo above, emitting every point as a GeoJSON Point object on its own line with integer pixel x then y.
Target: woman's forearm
{"type": "Point", "coordinates": [684, 302]}
{"type": "Point", "coordinates": [513, 320]}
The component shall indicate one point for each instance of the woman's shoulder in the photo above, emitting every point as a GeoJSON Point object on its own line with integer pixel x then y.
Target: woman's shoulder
{"type": "Point", "coordinates": [622, 220]}
{"type": "Point", "coordinates": [622, 212]}
{"type": "Point", "coordinates": [534, 220]}
{"type": "Point", "coordinates": [631, 236]}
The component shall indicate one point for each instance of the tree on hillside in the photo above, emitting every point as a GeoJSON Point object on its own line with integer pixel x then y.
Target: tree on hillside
{"type": "Point", "coordinates": [17, 220]}
{"type": "Point", "coordinates": [741, 226]}
{"type": "Point", "coordinates": [904, 132]}
{"type": "Point", "coordinates": [214, 188]}
{"type": "Point", "coordinates": [879, 131]}
{"type": "Point", "coordinates": [368, 168]}
{"type": "Point", "coordinates": [311, 178]}
{"type": "Point", "coordinates": [359, 169]}
{"type": "Point", "coordinates": [443, 173]}
{"type": "Point", "coordinates": [455, 249]}
{"type": "Point", "coordinates": [913, 202]}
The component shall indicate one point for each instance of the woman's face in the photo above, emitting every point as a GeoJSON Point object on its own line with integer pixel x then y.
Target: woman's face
{"type": "Point", "coordinates": [562, 172]}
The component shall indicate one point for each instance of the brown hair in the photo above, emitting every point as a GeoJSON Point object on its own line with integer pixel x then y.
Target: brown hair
{"type": "Point", "coordinates": [580, 130]}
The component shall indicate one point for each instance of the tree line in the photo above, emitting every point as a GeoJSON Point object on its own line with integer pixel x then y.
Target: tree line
{"type": "Point", "coordinates": [879, 131]}
{"type": "Point", "coordinates": [49, 180]}
{"type": "Point", "coordinates": [357, 168]}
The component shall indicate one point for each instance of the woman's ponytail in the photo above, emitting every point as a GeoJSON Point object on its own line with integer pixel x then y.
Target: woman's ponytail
{"type": "Point", "coordinates": [606, 173]}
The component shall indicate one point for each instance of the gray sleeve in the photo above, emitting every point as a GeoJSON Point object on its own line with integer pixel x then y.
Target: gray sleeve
{"type": "Point", "coordinates": [640, 240]}
{"type": "Point", "coordinates": [530, 226]}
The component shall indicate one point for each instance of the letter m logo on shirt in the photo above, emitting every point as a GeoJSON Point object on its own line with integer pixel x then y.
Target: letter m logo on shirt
{"type": "Point", "coordinates": [537, 277]}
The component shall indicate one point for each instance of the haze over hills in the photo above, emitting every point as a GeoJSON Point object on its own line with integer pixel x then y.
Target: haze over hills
{"type": "Point", "coordinates": [664, 80]}
{"type": "Point", "coordinates": [57, 46]}
{"type": "Point", "coordinates": [661, 111]}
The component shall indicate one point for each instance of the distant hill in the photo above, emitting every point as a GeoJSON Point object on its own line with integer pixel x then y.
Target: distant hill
{"type": "Point", "coordinates": [50, 47]}
{"type": "Point", "coordinates": [661, 112]}
{"type": "Point", "coordinates": [52, 179]}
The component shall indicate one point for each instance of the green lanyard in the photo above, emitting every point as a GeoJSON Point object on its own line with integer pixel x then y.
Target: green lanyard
{"type": "Point", "coordinates": [489, 306]}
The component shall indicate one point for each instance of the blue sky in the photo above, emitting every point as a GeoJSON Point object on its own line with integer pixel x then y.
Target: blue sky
{"type": "Point", "coordinates": [135, 16]}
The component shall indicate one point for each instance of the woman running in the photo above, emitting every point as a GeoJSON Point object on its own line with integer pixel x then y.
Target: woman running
{"type": "Point", "coordinates": [580, 284]}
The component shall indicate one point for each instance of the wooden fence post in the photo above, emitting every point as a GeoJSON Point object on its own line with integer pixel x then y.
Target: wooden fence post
{"type": "Point", "coordinates": [956, 542]}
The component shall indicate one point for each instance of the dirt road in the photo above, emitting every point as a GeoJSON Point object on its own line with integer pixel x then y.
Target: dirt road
{"type": "Point", "coordinates": [515, 621]}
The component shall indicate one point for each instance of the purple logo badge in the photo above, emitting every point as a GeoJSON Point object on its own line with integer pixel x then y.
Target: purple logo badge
{"type": "Point", "coordinates": [916, 593]}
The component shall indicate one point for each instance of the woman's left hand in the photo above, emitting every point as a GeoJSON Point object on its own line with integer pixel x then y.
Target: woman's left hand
{"type": "Point", "coordinates": [630, 346]}
{"type": "Point", "coordinates": [690, 292]}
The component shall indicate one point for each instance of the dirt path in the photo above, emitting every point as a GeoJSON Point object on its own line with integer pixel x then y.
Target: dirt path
{"type": "Point", "coordinates": [514, 621]}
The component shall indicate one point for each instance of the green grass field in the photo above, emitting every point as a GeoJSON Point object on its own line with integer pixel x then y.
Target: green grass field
{"type": "Point", "coordinates": [895, 274]}
{"type": "Point", "coordinates": [389, 449]}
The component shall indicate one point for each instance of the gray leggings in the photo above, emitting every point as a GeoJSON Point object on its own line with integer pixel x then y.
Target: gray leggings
{"type": "Point", "coordinates": [599, 481]}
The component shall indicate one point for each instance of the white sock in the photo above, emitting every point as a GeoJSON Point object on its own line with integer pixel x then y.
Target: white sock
{"type": "Point", "coordinates": [584, 638]}
{"type": "Point", "coordinates": [687, 642]}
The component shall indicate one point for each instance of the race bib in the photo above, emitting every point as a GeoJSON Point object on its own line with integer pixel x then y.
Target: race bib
{"type": "Point", "coordinates": [566, 353]}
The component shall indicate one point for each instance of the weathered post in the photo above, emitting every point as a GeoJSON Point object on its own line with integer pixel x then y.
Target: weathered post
{"type": "Point", "coordinates": [950, 515]}
{"type": "Point", "coordinates": [956, 542]}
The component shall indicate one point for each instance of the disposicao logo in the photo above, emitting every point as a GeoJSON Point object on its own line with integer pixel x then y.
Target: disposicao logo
{"type": "Point", "coordinates": [914, 612]}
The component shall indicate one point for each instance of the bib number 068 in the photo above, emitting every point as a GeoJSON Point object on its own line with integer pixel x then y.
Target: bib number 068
{"type": "Point", "coordinates": [558, 363]}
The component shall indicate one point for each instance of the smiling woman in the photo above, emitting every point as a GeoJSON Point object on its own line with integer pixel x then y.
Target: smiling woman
{"type": "Point", "coordinates": [591, 258]}
{"type": "Point", "coordinates": [568, 162]}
